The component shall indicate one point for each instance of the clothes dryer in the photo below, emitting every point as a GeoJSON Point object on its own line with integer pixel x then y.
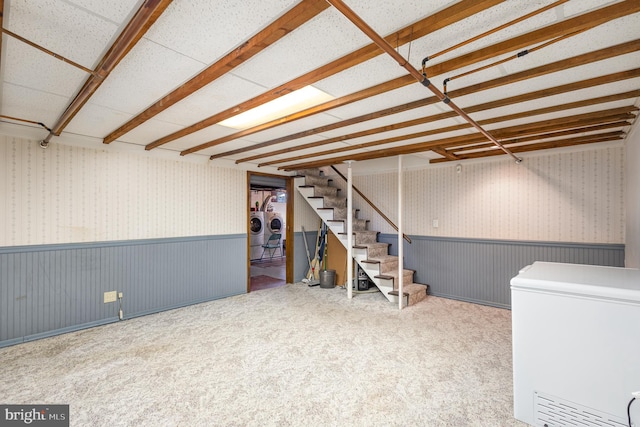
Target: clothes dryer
{"type": "Point", "coordinates": [274, 224]}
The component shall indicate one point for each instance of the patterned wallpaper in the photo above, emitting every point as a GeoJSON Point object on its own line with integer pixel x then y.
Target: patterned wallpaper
{"type": "Point", "coordinates": [566, 197]}
{"type": "Point", "coordinates": [70, 194]}
{"type": "Point", "coordinates": [632, 199]}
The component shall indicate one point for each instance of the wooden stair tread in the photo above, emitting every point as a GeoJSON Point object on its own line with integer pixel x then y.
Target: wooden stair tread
{"type": "Point", "coordinates": [383, 276]}
{"type": "Point", "coordinates": [396, 293]}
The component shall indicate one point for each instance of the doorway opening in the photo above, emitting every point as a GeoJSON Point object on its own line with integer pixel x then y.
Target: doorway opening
{"type": "Point", "coordinates": [269, 248]}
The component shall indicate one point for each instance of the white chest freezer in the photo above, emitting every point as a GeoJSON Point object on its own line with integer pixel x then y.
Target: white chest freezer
{"type": "Point", "coordinates": [576, 344]}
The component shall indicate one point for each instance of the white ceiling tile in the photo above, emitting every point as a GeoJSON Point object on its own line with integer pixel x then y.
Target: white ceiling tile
{"type": "Point", "coordinates": [370, 73]}
{"type": "Point", "coordinates": [147, 73]}
{"type": "Point", "coordinates": [29, 67]}
{"type": "Point", "coordinates": [223, 93]}
{"type": "Point", "coordinates": [206, 30]}
{"type": "Point", "coordinates": [564, 113]}
{"type": "Point", "coordinates": [200, 137]}
{"type": "Point", "coordinates": [62, 28]}
{"type": "Point", "coordinates": [386, 17]}
{"type": "Point", "coordinates": [117, 11]}
{"type": "Point", "coordinates": [29, 104]}
{"type": "Point", "coordinates": [149, 131]}
{"type": "Point", "coordinates": [96, 121]}
{"type": "Point", "coordinates": [579, 7]}
{"type": "Point", "coordinates": [323, 39]}
{"type": "Point", "coordinates": [292, 127]}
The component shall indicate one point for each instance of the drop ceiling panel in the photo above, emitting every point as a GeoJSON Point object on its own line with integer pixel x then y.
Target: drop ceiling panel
{"type": "Point", "coordinates": [72, 32]}
{"type": "Point", "coordinates": [292, 127]}
{"type": "Point", "coordinates": [600, 68]}
{"type": "Point", "coordinates": [387, 17]}
{"type": "Point", "coordinates": [200, 137]}
{"type": "Point", "coordinates": [579, 7]}
{"type": "Point", "coordinates": [385, 100]}
{"type": "Point", "coordinates": [215, 27]}
{"type": "Point", "coordinates": [375, 71]}
{"type": "Point", "coordinates": [574, 96]}
{"type": "Point", "coordinates": [29, 104]}
{"type": "Point", "coordinates": [237, 144]}
{"type": "Point", "coordinates": [609, 34]}
{"type": "Point", "coordinates": [389, 134]}
{"type": "Point", "coordinates": [219, 95]}
{"type": "Point", "coordinates": [566, 113]}
{"type": "Point", "coordinates": [149, 131]}
{"type": "Point", "coordinates": [116, 11]}
{"type": "Point", "coordinates": [29, 67]}
{"type": "Point", "coordinates": [147, 73]}
{"type": "Point", "coordinates": [321, 40]}
{"type": "Point", "coordinates": [477, 24]}
{"type": "Point", "coordinates": [96, 121]}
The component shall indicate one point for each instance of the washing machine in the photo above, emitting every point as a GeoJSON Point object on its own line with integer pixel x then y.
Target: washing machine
{"type": "Point", "coordinates": [256, 234]}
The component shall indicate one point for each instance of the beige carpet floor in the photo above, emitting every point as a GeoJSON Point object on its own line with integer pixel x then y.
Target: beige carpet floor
{"type": "Point", "coordinates": [288, 356]}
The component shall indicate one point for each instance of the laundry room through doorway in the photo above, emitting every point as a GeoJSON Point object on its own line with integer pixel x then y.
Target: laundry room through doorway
{"type": "Point", "coordinates": [268, 198]}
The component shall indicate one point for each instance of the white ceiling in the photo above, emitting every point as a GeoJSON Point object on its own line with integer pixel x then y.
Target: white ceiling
{"type": "Point", "coordinates": [191, 35]}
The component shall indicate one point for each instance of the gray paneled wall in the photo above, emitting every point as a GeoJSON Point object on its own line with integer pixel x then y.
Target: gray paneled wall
{"type": "Point", "coordinates": [300, 263]}
{"type": "Point", "coordinates": [50, 289]}
{"type": "Point", "coordinates": [480, 270]}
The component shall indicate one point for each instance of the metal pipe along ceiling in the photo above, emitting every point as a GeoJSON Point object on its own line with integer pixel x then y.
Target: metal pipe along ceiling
{"type": "Point", "coordinates": [382, 43]}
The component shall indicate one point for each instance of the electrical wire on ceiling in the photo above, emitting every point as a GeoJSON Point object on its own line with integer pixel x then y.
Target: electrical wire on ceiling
{"type": "Point", "coordinates": [492, 31]}
{"type": "Point", "coordinates": [509, 58]}
{"type": "Point", "coordinates": [385, 46]}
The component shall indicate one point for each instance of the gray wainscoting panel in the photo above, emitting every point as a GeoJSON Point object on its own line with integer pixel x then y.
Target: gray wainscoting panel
{"type": "Point", "coordinates": [300, 262]}
{"type": "Point", "coordinates": [50, 289]}
{"type": "Point", "coordinates": [480, 271]}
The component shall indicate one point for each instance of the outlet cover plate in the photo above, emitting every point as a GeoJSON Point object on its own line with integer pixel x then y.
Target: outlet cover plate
{"type": "Point", "coordinates": [110, 296]}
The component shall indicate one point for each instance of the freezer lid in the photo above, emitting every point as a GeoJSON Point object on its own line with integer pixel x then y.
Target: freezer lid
{"type": "Point", "coordinates": [580, 280]}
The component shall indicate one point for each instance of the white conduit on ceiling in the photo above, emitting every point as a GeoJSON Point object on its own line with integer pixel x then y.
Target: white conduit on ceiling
{"type": "Point", "coordinates": [382, 44]}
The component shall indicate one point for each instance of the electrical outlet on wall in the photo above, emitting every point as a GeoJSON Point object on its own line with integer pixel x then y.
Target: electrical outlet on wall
{"type": "Point", "coordinates": [435, 223]}
{"type": "Point", "coordinates": [110, 296]}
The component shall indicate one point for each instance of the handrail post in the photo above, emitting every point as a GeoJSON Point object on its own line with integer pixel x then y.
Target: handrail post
{"type": "Point", "coordinates": [400, 242]}
{"type": "Point", "coordinates": [370, 203]}
{"type": "Point", "coordinates": [349, 231]}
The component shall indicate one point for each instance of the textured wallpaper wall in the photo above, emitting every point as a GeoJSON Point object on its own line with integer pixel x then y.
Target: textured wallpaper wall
{"type": "Point", "coordinates": [632, 198]}
{"type": "Point", "coordinates": [566, 197]}
{"type": "Point", "coordinates": [69, 194]}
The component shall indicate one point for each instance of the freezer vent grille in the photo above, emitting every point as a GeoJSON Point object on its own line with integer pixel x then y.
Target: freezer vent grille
{"type": "Point", "coordinates": [551, 411]}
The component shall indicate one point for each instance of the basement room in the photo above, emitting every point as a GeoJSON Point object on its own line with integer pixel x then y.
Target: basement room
{"type": "Point", "coordinates": [320, 213]}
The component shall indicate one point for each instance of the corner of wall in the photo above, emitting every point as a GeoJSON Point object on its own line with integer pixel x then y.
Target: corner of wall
{"type": "Point", "coordinates": [632, 198]}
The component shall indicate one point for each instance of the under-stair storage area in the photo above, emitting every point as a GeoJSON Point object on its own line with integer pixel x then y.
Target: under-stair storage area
{"type": "Point", "coordinates": [371, 256]}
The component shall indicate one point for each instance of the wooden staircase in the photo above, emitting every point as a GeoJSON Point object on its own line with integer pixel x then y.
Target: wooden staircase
{"type": "Point", "coordinates": [372, 256]}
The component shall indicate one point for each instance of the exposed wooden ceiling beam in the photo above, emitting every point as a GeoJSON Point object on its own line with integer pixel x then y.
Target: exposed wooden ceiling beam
{"type": "Point", "coordinates": [146, 15]}
{"type": "Point", "coordinates": [545, 145]}
{"type": "Point", "coordinates": [536, 137]}
{"type": "Point", "coordinates": [578, 23]}
{"type": "Point", "coordinates": [298, 15]}
{"type": "Point", "coordinates": [421, 28]}
{"type": "Point", "coordinates": [582, 120]}
{"type": "Point", "coordinates": [524, 114]}
{"type": "Point", "coordinates": [564, 64]}
{"type": "Point", "coordinates": [441, 116]}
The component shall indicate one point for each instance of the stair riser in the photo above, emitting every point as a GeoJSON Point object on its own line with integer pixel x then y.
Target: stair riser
{"type": "Point", "coordinates": [377, 252]}
{"type": "Point", "coordinates": [316, 180]}
{"type": "Point", "coordinates": [334, 202]}
{"type": "Point", "coordinates": [325, 191]}
{"type": "Point", "coordinates": [341, 213]}
{"type": "Point", "coordinates": [364, 237]}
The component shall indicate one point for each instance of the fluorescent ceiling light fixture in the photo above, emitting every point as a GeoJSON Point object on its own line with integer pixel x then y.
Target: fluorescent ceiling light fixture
{"type": "Point", "coordinates": [290, 103]}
